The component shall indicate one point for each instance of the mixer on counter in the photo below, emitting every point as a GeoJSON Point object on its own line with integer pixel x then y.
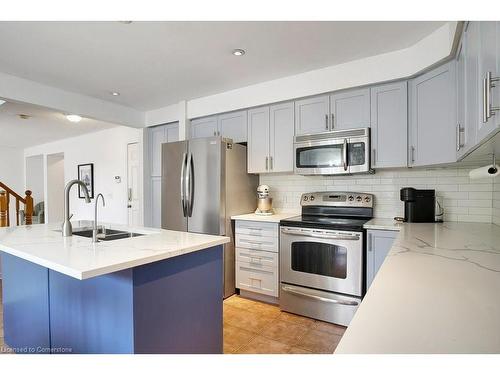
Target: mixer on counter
{"type": "Point", "coordinates": [264, 201]}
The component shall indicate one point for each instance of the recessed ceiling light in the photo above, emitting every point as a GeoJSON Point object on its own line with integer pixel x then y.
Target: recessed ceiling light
{"type": "Point", "coordinates": [115, 93]}
{"type": "Point", "coordinates": [23, 116]}
{"type": "Point", "coordinates": [2, 101]}
{"type": "Point", "coordinates": [126, 22]}
{"type": "Point", "coordinates": [74, 118]}
{"type": "Point", "coordinates": [238, 52]}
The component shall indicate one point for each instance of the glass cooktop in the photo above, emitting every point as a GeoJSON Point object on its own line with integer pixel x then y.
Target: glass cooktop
{"type": "Point", "coordinates": [325, 222]}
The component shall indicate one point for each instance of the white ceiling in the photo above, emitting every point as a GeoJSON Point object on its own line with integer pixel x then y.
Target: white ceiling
{"type": "Point", "coordinates": [44, 125]}
{"type": "Point", "coordinates": [154, 64]}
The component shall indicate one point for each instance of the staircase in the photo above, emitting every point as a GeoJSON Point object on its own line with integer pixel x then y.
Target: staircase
{"type": "Point", "coordinates": [5, 194]}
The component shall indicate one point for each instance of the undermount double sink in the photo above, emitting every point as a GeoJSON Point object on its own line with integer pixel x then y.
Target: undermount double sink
{"type": "Point", "coordinates": [104, 234]}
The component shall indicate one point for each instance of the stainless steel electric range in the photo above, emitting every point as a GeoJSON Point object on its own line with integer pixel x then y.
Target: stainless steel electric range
{"type": "Point", "coordinates": [321, 256]}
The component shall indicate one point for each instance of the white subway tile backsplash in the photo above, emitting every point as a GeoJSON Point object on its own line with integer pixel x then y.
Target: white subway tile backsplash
{"type": "Point", "coordinates": [463, 199]}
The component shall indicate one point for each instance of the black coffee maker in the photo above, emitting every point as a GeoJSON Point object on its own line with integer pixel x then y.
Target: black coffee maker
{"type": "Point", "coordinates": [420, 205]}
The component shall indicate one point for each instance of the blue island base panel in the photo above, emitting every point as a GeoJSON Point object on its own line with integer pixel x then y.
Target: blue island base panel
{"type": "Point", "coordinates": [171, 306]}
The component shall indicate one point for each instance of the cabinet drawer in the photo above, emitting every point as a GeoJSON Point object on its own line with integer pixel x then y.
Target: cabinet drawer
{"type": "Point", "coordinates": [257, 257]}
{"type": "Point", "coordinates": [256, 228]}
{"type": "Point", "coordinates": [246, 241]}
{"type": "Point", "coordinates": [258, 279]}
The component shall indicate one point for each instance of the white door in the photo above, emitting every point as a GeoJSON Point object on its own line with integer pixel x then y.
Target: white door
{"type": "Point", "coordinates": [133, 184]}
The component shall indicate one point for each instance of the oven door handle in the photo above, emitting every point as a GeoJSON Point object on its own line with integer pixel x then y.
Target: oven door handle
{"type": "Point", "coordinates": [322, 299]}
{"type": "Point", "coordinates": [320, 235]}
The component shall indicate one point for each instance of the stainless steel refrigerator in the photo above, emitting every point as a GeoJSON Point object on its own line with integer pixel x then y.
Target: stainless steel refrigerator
{"type": "Point", "coordinates": [204, 183]}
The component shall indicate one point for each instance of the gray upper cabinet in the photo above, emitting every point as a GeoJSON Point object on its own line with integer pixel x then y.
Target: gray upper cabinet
{"type": "Point", "coordinates": [461, 98]}
{"type": "Point", "coordinates": [489, 60]}
{"type": "Point", "coordinates": [312, 115]}
{"type": "Point", "coordinates": [233, 125]}
{"type": "Point", "coordinates": [389, 125]}
{"type": "Point", "coordinates": [281, 137]}
{"type": "Point", "coordinates": [258, 140]}
{"type": "Point", "coordinates": [433, 117]}
{"type": "Point", "coordinates": [204, 127]}
{"type": "Point", "coordinates": [378, 246]}
{"type": "Point", "coordinates": [350, 109]}
{"type": "Point", "coordinates": [270, 138]}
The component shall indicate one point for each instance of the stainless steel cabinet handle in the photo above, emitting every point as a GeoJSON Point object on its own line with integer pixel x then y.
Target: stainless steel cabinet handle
{"type": "Point", "coordinates": [326, 122]}
{"type": "Point", "coordinates": [345, 154]}
{"type": "Point", "coordinates": [488, 109]}
{"type": "Point", "coordinates": [459, 143]}
{"type": "Point", "coordinates": [369, 244]}
{"type": "Point", "coordinates": [412, 156]}
{"type": "Point", "coordinates": [215, 133]}
{"type": "Point", "coordinates": [322, 299]}
{"type": "Point", "coordinates": [267, 163]}
{"type": "Point", "coordinates": [333, 121]}
{"type": "Point", "coordinates": [271, 163]}
{"type": "Point", "coordinates": [183, 184]}
{"type": "Point", "coordinates": [373, 157]}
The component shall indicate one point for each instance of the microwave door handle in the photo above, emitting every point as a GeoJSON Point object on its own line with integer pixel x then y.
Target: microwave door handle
{"type": "Point", "coordinates": [319, 298]}
{"type": "Point", "coordinates": [344, 149]}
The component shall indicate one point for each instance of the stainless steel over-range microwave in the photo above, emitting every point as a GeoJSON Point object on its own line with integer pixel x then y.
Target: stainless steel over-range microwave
{"type": "Point", "coordinates": [334, 152]}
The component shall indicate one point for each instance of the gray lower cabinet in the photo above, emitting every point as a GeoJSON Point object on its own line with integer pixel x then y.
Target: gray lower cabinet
{"type": "Point", "coordinates": [433, 117]}
{"type": "Point", "coordinates": [389, 125]}
{"type": "Point", "coordinates": [312, 115]}
{"type": "Point", "coordinates": [229, 125]}
{"type": "Point", "coordinates": [350, 109]}
{"type": "Point", "coordinates": [378, 245]}
{"type": "Point", "coordinates": [152, 186]}
{"type": "Point", "coordinates": [270, 138]}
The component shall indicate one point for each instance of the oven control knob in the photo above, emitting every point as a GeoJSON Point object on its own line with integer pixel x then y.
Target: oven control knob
{"type": "Point", "coordinates": [312, 198]}
{"type": "Point", "coordinates": [351, 198]}
{"type": "Point", "coordinates": [367, 199]}
{"type": "Point", "coordinates": [305, 197]}
{"type": "Point", "coordinates": [358, 198]}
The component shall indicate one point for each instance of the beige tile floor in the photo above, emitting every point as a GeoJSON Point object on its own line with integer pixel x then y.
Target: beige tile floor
{"type": "Point", "coordinates": [252, 327]}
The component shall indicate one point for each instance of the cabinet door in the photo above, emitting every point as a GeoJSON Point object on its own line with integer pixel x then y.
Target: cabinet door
{"type": "Point", "coordinates": [258, 140]}
{"type": "Point", "coordinates": [433, 117]}
{"type": "Point", "coordinates": [204, 127]}
{"type": "Point", "coordinates": [156, 138]}
{"type": "Point", "coordinates": [172, 133]}
{"type": "Point", "coordinates": [350, 109]}
{"type": "Point", "coordinates": [281, 137]}
{"type": "Point", "coordinates": [461, 98]}
{"type": "Point", "coordinates": [311, 115]}
{"type": "Point", "coordinates": [233, 125]}
{"type": "Point", "coordinates": [378, 246]}
{"type": "Point", "coordinates": [488, 62]}
{"type": "Point", "coordinates": [389, 125]}
{"type": "Point", "coordinates": [156, 202]}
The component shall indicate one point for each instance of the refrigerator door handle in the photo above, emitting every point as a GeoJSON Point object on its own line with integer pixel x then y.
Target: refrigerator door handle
{"type": "Point", "coordinates": [183, 185]}
{"type": "Point", "coordinates": [190, 185]}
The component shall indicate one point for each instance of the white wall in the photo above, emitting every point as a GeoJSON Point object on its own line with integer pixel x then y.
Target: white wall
{"type": "Point", "coordinates": [464, 200]}
{"type": "Point", "coordinates": [400, 64]}
{"type": "Point", "coordinates": [107, 149]}
{"type": "Point", "coordinates": [35, 181]}
{"type": "Point", "coordinates": [55, 188]}
{"type": "Point", "coordinates": [496, 201]}
{"type": "Point", "coordinates": [12, 174]}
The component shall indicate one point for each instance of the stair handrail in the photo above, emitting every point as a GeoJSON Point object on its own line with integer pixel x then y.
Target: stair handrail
{"type": "Point", "coordinates": [5, 203]}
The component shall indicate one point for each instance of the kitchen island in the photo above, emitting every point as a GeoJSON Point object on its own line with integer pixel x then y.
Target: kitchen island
{"type": "Point", "coordinates": [436, 292]}
{"type": "Point", "coordinates": [160, 292]}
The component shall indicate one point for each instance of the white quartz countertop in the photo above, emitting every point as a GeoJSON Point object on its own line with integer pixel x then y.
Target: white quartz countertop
{"type": "Point", "coordinates": [78, 257]}
{"type": "Point", "coordinates": [438, 291]}
{"type": "Point", "coordinates": [266, 218]}
{"type": "Point", "coordinates": [383, 224]}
